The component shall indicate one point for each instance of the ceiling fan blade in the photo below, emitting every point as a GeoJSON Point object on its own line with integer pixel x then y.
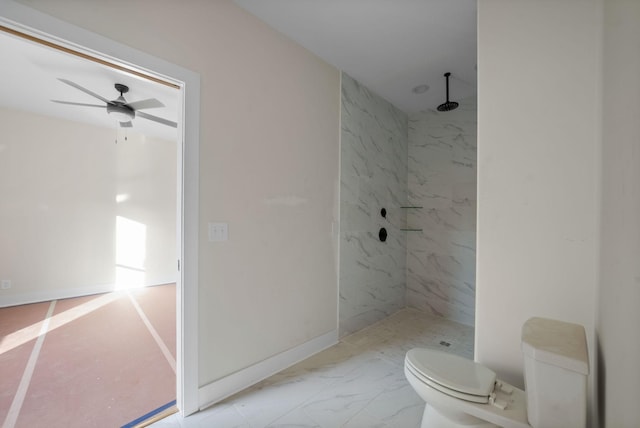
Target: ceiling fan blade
{"type": "Point", "coordinates": [142, 104]}
{"type": "Point", "coordinates": [156, 119]}
{"type": "Point", "coordinates": [85, 90]}
{"type": "Point", "coordinates": [78, 104]}
{"type": "Point", "coordinates": [126, 124]}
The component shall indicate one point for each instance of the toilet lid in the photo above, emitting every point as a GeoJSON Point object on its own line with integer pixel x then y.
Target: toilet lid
{"type": "Point", "coordinates": [452, 372]}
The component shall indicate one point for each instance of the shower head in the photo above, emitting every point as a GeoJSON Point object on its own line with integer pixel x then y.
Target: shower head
{"type": "Point", "coordinates": [448, 105]}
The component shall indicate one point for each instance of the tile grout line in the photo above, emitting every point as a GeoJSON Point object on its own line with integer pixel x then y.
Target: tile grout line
{"type": "Point", "coordinates": [154, 333]}
{"type": "Point", "coordinates": [21, 393]}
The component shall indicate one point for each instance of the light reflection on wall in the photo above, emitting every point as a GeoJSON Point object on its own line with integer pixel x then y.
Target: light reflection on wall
{"type": "Point", "coordinates": [131, 249]}
{"type": "Point", "coordinates": [122, 197]}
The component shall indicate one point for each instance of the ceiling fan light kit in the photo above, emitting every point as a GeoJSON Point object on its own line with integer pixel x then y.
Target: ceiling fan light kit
{"type": "Point", "coordinates": [121, 113]}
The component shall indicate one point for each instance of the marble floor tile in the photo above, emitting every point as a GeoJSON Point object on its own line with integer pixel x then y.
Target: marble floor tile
{"type": "Point", "coordinates": [334, 406]}
{"type": "Point", "coordinates": [397, 407]}
{"type": "Point", "coordinates": [222, 416]}
{"type": "Point", "coordinates": [296, 418]}
{"type": "Point", "coordinates": [363, 420]}
{"type": "Point", "coordinates": [357, 383]}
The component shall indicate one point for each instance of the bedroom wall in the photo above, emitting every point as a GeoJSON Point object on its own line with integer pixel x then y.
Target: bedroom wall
{"type": "Point", "coordinates": [67, 190]}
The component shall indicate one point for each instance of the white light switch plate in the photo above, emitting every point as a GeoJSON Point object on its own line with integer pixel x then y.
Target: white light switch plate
{"type": "Point", "coordinates": [218, 232]}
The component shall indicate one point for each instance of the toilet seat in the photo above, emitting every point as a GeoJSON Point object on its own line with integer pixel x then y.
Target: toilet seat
{"type": "Point", "coordinates": [453, 375]}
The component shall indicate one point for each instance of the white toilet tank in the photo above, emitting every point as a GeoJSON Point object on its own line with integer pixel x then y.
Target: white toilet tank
{"type": "Point", "coordinates": [556, 365]}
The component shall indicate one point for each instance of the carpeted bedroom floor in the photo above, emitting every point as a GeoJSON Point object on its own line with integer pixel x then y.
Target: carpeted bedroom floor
{"type": "Point", "coordinates": [95, 361]}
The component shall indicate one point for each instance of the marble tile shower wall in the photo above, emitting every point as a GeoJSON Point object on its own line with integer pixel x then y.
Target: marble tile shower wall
{"type": "Point", "coordinates": [442, 180]}
{"type": "Point", "coordinates": [373, 175]}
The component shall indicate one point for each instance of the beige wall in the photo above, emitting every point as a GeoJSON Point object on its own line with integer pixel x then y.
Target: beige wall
{"type": "Point", "coordinates": [539, 77]}
{"type": "Point", "coordinates": [269, 159]}
{"type": "Point", "coordinates": [559, 164]}
{"type": "Point", "coordinates": [619, 297]}
{"type": "Point", "coordinates": [59, 215]}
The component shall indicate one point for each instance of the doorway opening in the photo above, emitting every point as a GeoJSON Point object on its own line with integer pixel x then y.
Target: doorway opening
{"type": "Point", "coordinates": [185, 261]}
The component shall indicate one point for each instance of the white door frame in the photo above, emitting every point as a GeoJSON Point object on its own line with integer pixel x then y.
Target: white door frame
{"type": "Point", "coordinates": [29, 21]}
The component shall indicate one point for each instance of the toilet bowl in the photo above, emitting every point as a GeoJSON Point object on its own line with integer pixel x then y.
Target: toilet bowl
{"type": "Point", "coordinates": [462, 393]}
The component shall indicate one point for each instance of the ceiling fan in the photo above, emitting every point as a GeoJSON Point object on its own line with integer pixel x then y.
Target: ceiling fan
{"type": "Point", "coordinates": [120, 109]}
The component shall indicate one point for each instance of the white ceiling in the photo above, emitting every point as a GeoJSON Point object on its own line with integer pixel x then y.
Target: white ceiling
{"type": "Point", "coordinates": [390, 46]}
{"type": "Point", "coordinates": [29, 81]}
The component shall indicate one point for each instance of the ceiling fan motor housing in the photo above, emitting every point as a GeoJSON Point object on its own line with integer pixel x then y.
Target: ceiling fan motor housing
{"type": "Point", "coordinates": [123, 89]}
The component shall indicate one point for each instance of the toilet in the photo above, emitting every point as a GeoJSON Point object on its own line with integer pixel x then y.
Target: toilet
{"type": "Point", "coordinates": [462, 393]}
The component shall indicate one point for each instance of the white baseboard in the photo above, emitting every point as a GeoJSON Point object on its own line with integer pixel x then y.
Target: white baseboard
{"type": "Point", "coordinates": [48, 295]}
{"type": "Point", "coordinates": [236, 382]}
